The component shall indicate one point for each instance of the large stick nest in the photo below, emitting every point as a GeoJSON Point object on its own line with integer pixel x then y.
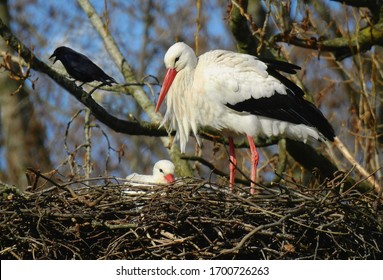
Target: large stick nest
{"type": "Point", "coordinates": [191, 219]}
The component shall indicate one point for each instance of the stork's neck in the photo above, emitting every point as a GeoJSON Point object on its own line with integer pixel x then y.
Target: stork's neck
{"type": "Point", "coordinates": [188, 59]}
{"type": "Point", "coordinates": [183, 81]}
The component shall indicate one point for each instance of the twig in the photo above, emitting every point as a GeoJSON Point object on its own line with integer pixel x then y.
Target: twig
{"type": "Point", "coordinates": [250, 234]}
{"type": "Point", "coordinates": [369, 177]}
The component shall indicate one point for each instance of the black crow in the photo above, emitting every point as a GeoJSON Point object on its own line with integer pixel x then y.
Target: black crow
{"type": "Point", "coordinates": [80, 67]}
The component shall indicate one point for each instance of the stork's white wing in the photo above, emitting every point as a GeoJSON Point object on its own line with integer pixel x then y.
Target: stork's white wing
{"type": "Point", "coordinates": [232, 78]}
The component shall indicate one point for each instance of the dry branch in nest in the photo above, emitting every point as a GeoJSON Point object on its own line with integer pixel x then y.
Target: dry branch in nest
{"type": "Point", "coordinates": [191, 219]}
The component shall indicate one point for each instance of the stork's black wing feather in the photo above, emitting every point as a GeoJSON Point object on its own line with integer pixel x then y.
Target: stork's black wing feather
{"type": "Point", "coordinates": [290, 107]}
{"type": "Point", "coordinates": [273, 66]}
{"type": "Point", "coordinates": [287, 107]}
{"type": "Point", "coordinates": [289, 84]}
{"type": "Point", "coordinates": [282, 66]}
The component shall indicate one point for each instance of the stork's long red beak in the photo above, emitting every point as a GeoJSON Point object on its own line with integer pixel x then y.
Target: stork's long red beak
{"type": "Point", "coordinates": [170, 75]}
{"type": "Point", "coordinates": [169, 178]}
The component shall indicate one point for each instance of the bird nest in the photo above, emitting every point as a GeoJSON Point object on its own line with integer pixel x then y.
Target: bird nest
{"type": "Point", "coordinates": [190, 219]}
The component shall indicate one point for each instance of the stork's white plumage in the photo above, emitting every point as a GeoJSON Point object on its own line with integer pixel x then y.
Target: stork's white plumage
{"type": "Point", "coordinates": [237, 94]}
{"type": "Point", "coordinates": [163, 173]}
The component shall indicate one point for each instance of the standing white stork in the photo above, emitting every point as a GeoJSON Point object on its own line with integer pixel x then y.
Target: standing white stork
{"type": "Point", "coordinates": [237, 94]}
{"type": "Point", "coordinates": [163, 173]}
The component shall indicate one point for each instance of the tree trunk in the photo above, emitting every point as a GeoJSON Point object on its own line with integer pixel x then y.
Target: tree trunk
{"type": "Point", "coordinates": [22, 133]}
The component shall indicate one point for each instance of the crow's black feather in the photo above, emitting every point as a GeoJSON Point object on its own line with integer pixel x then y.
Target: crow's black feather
{"type": "Point", "coordinates": [80, 67]}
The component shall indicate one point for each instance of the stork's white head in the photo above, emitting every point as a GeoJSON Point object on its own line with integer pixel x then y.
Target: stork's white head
{"type": "Point", "coordinates": [164, 171]}
{"type": "Point", "coordinates": [178, 57]}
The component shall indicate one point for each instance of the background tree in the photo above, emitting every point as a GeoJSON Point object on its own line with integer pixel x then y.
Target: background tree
{"type": "Point", "coordinates": [337, 45]}
{"type": "Point", "coordinates": [22, 134]}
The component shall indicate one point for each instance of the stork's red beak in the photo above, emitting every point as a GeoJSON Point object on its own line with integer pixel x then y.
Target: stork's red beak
{"type": "Point", "coordinates": [169, 178]}
{"type": "Point", "coordinates": [170, 75]}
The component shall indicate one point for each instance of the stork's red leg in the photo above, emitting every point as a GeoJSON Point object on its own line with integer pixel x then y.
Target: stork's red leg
{"type": "Point", "coordinates": [254, 163]}
{"type": "Point", "coordinates": [233, 162]}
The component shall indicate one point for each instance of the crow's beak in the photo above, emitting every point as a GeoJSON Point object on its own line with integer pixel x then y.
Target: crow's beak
{"type": "Point", "coordinates": [53, 55]}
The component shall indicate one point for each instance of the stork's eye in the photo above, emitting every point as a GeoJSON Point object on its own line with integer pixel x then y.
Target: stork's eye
{"type": "Point", "coordinates": [177, 58]}
{"type": "Point", "coordinates": [161, 170]}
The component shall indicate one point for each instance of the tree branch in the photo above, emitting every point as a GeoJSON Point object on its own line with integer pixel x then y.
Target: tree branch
{"type": "Point", "coordinates": [371, 4]}
{"type": "Point", "coordinates": [182, 167]}
{"type": "Point", "coordinates": [123, 126]}
{"type": "Point", "coordinates": [136, 91]}
{"type": "Point", "coordinates": [342, 47]}
{"type": "Point", "coordinates": [238, 24]}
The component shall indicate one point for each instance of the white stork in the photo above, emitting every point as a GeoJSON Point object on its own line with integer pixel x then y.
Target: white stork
{"type": "Point", "coordinates": [237, 94]}
{"type": "Point", "coordinates": [163, 173]}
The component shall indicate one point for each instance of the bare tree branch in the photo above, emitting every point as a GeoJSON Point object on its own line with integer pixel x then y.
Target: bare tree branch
{"type": "Point", "coordinates": [371, 4]}
{"type": "Point", "coordinates": [342, 47]}
{"type": "Point", "coordinates": [182, 167]}
{"type": "Point", "coordinates": [123, 126]}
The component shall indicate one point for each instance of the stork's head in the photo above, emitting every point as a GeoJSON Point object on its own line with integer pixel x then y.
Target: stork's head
{"type": "Point", "coordinates": [164, 171]}
{"type": "Point", "coordinates": [178, 57]}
